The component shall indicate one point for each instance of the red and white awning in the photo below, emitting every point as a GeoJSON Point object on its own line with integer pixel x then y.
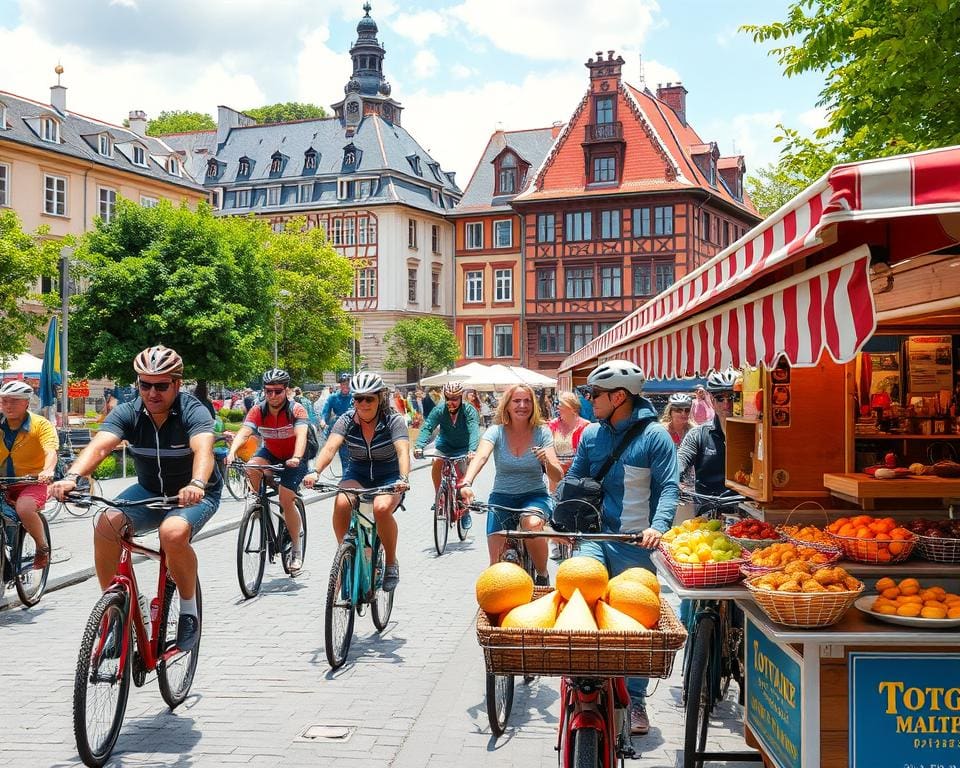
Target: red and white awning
{"type": "Point", "coordinates": [908, 186]}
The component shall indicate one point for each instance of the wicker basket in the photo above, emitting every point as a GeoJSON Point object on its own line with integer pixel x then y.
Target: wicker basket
{"type": "Point", "coordinates": [939, 550]}
{"type": "Point", "coordinates": [751, 544]}
{"type": "Point", "coordinates": [873, 551]}
{"type": "Point", "coordinates": [750, 570]}
{"type": "Point", "coordinates": [704, 574]}
{"type": "Point", "coordinates": [786, 529]}
{"type": "Point", "coordinates": [803, 609]}
{"type": "Point", "coordinates": [601, 654]}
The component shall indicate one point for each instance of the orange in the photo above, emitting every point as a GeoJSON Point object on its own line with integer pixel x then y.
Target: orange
{"type": "Point", "coordinates": [901, 533]}
{"type": "Point", "coordinates": [502, 587]}
{"type": "Point", "coordinates": [885, 583]}
{"type": "Point", "coordinates": [895, 548]}
{"type": "Point", "coordinates": [910, 609]}
{"type": "Point", "coordinates": [931, 612]}
{"type": "Point", "coordinates": [847, 530]}
{"type": "Point", "coordinates": [890, 592]}
{"type": "Point", "coordinates": [889, 610]}
{"type": "Point", "coordinates": [883, 555]}
{"type": "Point", "coordinates": [635, 600]}
{"type": "Point", "coordinates": [583, 573]}
{"type": "Point", "coordinates": [953, 612]}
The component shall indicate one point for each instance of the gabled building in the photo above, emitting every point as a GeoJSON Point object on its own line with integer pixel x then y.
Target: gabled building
{"type": "Point", "coordinates": [629, 199]}
{"type": "Point", "coordinates": [489, 247]}
{"type": "Point", "coordinates": [381, 199]}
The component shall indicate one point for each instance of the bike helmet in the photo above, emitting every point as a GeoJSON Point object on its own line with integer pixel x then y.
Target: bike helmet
{"type": "Point", "coordinates": [158, 361]}
{"type": "Point", "coordinates": [618, 374]}
{"type": "Point", "coordinates": [453, 389]}
{"type": "Point", "coordinates": [680, 400]}
{"type": "Point", "coordinates": [366, 383]}
{"type": "Point", "coordinates": [720, 381]}
{"type": "Point", "coordinates": [18, 389]}
{"type": "Point", "coordinates": [276, 376]}
{"type": "Point", "coordinates": [344, 377]}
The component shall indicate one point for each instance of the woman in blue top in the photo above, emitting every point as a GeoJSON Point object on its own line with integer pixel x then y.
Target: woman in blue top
{"type": "Point", "coordinates": [521, 445]}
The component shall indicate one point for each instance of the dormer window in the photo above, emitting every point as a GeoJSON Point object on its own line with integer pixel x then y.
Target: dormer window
{"type": "Point", "coordinates": [351, 157]}
{"type": "Point", "coordinates": [213, 167]}
{"type": "Point", "coordinates": [139, 155]}
{"type": "Point", "coordinates": [276, 162]}
{"type": "Point", "coordinates": [605, 110]}
{"type": "Point", "coordinates": [105, 145]}
{"type": "Point", "coordinates": [3, 116]}
{"type": "Point", "coordinates": [414, 161]}
{"type": "Point", "coordinates": [49, 130]}
{"type": "Point", "coordinates": [173, 166]}
{"type": "Point", "coordinates": [435, 170]}
{"type": "Point", "coordinates": [243, 168]}
{"type": "Point", "coordinates": [507, 177]}
{"type": "Point", "coordinates": [310, 160]}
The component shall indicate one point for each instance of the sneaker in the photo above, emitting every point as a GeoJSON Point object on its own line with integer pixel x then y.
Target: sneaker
{"type": "Point", "coordinates": [541, 580]}
{"type": "Point", "coordinates": [639, 722]}
{"type": "Point", "coordinates": [42, 558]}
{"type": "Point", "coordinates": [555, 553]}
{"type": "Point", "coordinates": [391, 577]}
{"type": "Point", "coordinates": [188, 631]}
{"type": "Point", "coordinates": [466, 521]}
{"type": "Point", "coordinates": [294, 564]}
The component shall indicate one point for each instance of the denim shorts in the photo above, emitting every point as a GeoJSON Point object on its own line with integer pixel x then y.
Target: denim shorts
{"type": "Point", "coordinates": [143, 519]}
{"type": "Point", "coordinates": [362, 476]}
{"type": "Point", "coordinates": [290, 477]}
{"type": "Point", "coordinates": [507, 521]}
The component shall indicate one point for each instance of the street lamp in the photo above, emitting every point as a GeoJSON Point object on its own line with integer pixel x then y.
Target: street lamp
{"type": "Point", "coordinates": [65, 253]}
{"type": "Point", "coordinates": [282, 294]}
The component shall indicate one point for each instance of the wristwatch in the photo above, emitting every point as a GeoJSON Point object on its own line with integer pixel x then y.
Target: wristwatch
{"type": "Point", "coordinates": [71, 476]}
{"type": "Point", "coordinates": [466, 484]}
{"type": "Point", "coordinates": [404, 478]}
{"type": "Point", "coordinates": [198, 483]}
{"type": "Point", "coordinates": [298, 458]}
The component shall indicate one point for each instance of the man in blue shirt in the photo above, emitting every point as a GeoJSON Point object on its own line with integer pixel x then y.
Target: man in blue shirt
{"type": "Point", "coordinates": [337, 404]}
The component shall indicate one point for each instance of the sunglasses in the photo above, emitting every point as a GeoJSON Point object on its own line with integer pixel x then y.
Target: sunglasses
{"type": "Point", "coordinates": [364, 398]}
{"type": "Point", "coordinates": [160, 386]}
{"type": "Point", "coordinates": [592, 393]}
{"type": "Point", "coordinates": [454, 399]}
{"type": "Point", "coordinates": [275, 390]}
{"type": "Point", "coordinates": [681, 410]}
{"type": "Point", "coordinates": [723, 398]}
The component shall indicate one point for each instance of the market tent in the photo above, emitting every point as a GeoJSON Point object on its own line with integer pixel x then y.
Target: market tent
{"type": "Point", "coordinates": [23, 365]}
{"type": "Point", "coordinates": [455, 374]}
{"type": "Point", "coordinates": [804, 280]}
{"type": "Point", "coordinates": [514, 374]}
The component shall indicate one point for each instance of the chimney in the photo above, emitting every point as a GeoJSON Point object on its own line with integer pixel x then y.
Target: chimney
{"type": "Point", "coordinates": [674, 95]}
{"type": "Point", "coordinates": [58, 98]}
{"type": "Point", "coordinates": [228, 119]}
{"type": "Point", "coordinates": [557, 127]}
{"type": "Point", "coordinates": [138, 122]}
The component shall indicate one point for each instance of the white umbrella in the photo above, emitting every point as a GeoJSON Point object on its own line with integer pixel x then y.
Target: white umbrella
{"type": "Point", "coordinates": [23, 364]}
{"type": "Point", "coordinates": [461, 374]}
{"type": "Point", "coordinates": [532, 378]}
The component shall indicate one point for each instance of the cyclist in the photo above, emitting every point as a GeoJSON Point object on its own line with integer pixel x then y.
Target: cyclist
{"type": "Point", "coordinates": [459, 425]}
{"type": "Point", "coordinates": [704, 448]}
{"type": "Point", "coordinates": [521, 445]}
{"type": "Point", "coordinates": [170, 435]}
{"type": "Point", "coordinates": [378, 442]}
{"type": "Point", "coordinates": [640, 490]}
{"type": "Point", "coordinates": [676, 416]}
{"type": "Point", "coordinates": [338, 403]}
{"type": "Point", "coordinates": [28, 447]}
{"type": "Point", "coordinates": [284, 426]}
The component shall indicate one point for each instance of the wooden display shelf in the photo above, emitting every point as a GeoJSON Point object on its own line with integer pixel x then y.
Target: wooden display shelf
{"type": "Point", "coordinates": [744, 490]}
{"type": "Point", "coordinates": [892, 436]}
{"type": "Point", "coordinates": [863, 490]}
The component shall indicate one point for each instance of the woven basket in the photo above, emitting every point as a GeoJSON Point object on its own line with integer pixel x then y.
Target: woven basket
{"type": "Point", "coordinates": [749, 570]}
{"type": "Point", "coordinates": [872, 551]}
{"type": "Point", "coordinates": [751, 544]}
{"type": "Point", "coordinates": [939, 550]}
{"type": "Point", "coordinates": [803, 609]}
{"type": "Point", "coordinates": [830, 548]}
{"type": "Point", "coordinates": [600, 654]}
{"type": "Point", "coordinates": [704, 574]}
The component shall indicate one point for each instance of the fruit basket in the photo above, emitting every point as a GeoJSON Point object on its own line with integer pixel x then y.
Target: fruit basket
{"type": "Point", "coordinates": [709, 574]}
{"type": "Point", "coordinates": [816, 538]}
{"type": "Point", "coordinates": [875, 551]}
{"type": "Point", "coordinates": [751, 544]}
{"type": "Point", "coordinates": [938, 549]}
{"type": "Point", "coordinates": [582, 653]}
{"type": "Point", "coordinates": [802, 609]}
{"type": "Point", "coordinates": [749, 569]}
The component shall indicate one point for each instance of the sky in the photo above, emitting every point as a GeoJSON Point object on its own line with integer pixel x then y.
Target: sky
{"type": "Point", "coordinates": [461, 69]}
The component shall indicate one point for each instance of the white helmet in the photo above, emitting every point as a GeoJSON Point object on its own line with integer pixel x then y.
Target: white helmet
{"type": "Point", "coordinates": [618, 374]}
{"type": "Point", "coordinates": [453, 389]}
{"type": "Point", "coordinates": [366, 383]}
{"type": "Point", "coordinates": [18, 389]}
{"type": "Point", "coordinates": [158, 361]}
{"type": "Point", "coordinates": [680, 400]}
{"type": "Point", "coordinates": [276, 376]}
{"type": "Point", "coordinates": [719, 381]}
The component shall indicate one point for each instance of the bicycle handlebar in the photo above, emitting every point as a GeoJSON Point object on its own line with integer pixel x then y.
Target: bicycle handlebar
{"type": "Point", "coordinates": [21, 479]}
{"type": "Point", "coordinates": [719, 501]}
{"type": "Point", "coordinates": [365, 494]}
{"type": "Point", "coordinates": [550, 533]}
{"type": "Point", "coordinates": [483, 507]}
{"type": "Point", "coordinates": [261, 467]}
{"type": "Point", "coordinates": [434, 455]}
{"type": "Point", "coordinates": [153, 502]}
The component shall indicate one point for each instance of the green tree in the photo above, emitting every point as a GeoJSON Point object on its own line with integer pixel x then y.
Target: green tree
{"type": "Point", "coordinates": [423, 343]}
{"type": "Point", "coordinates": [24, 259]}
{"type": "Point", "coordinates": [772, 187]}
{"type": "Point", "coordinates": [285, 112]}
{"type": "Point", "coordinates": [178, 121]}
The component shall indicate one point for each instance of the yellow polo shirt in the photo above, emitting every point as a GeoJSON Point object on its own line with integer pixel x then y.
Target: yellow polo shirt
{"type": "Point", "coordinates": [23, 451]}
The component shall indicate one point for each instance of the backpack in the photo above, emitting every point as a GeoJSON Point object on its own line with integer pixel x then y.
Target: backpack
{"type": "Point", "coordinates": [313, 441]}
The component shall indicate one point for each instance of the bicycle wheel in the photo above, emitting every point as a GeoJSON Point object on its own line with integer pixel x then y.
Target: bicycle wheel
{"type": "Point", "coordinates": [339, 611]}
{"type": "Point", "coordinates": [101, 682]}
{"type": "Point", "coordinates": [461, 531]}
{"type": "Point", "coordinates": [382, 603]}
{"type": "Point", "coordinates": [236, 481]}
{"type": "Point", "coordinates": [251, 551]}
{"type": "Point", "coordinates": [441, 519]}
{"type": "Point", "coordinates": [286, 543]}
{"type": "Point", "coordinates": [91, 486]}
{"type": "Point", "coordinates": [499, 701]}
{"type": "Point", "coordinates": [31, 583]}
{"type": "Point", "coordinates": [585, 749]}
{"type": "Point", "coordinates": [699, 697]}
{"type": "Point", "coordinates": [175, 673]}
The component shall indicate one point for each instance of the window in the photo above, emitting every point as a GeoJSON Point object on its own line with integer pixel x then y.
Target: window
{"type": "Point", "coordinates": [474, 341]}
{"type": "Point", "coordinates": [507, 178]}
{"type": "Point", "coordinates": [546, 283]}
{"type": "Point", "coordinates": [604, 110]}
{"type": "Point", "coordinates": [350, 231]}
{"type": "Point", "coordinates": [610, 225]}
{"type": "Point", "coordinates": [273, 195]}
{"type": "Point", "coordinates": [367, 283]}
{"type": "Point", "coordinates": [610, 282]}
{"type": "Point", "coordinates": [149, 202]}
{"type": "Point", "coordinates": [551, 338]}
{"type": "Point", "coordinates": [55, 195]}
{"type": "Point", "coordinates": [139, 156]}
{"type": "Point", "coordinates": [414, 161]}
{"type": "Point", "coordinates": [49, 130]}
{"type": "Point", "coordinates": [503, 285]}
{"type": "Point", "coordinates": [411, 283]}
{"type": "Point", "coordinates": [336, 232]}
{"type": "Point", "coordinates": [213, 167]}
{"type": "Point", "coordinates": [579, 226]}
{"type": "Point", "coordinates": [3, 117]}
{"type": "Point", "coordinates": [435, 289]}
{"type": "Point", "coordinates": [411, 233]}
{"type": "Point", "coordinates": [642, 279]}
{"type": "Point", "coordinates": [309, 160]}
{"type": "Point", "coordinates": [604, 327]}
{"type": "Point", "coordinates": [503, 233]}
{"type": "Point", "coordinates": [107, 203]}
{"type": "Point", "coordinates": [215, 199]}
{"type": "Point", "coordinates": [276, 163]}
{"type": "Point", "coordinates": [305, 193]}
{"type": "Point", "coordinates": [663, 220]}
{"type": "Point", "coordinates": [474, 235]}
{"type": "Point", "coordinates": [243, 198]}
{"type": "Point", "coordinates": [243, 167]}
{"type": "Point", "coordinates": [580, 335]}
{"type": "Point", "coordinates": [664, 277]}
{"type": "Point", "coordinates": [474, 287]}
{"type": "Point", "coordinates": [4, 184]}
{"type": "Point", "coordinates": [604, 169]}
{"type": "Point", "coordinates": [503, 341]}
{"type": "Point", "coordinates": [368, 231]}
{"type": "Point", "coordinates": [105, 145]}
{"type": "Point", "coordinates": [579, 283]}
{"type": "Point", "coordinates": [435, 238]}
{"type": "Point", "coordinates": [546, 232]}
{"type": "Point", "coordinates": [641, 222]}
{"type": "Point", "coordinates": [726, 234]}
{"type": "Point", "coordinates": [173, 166]}
{"type": "Point", "coordinates": [362, 230]}
{"type": "Point", "coordinates": [705, 233]}
{"type": "Point", "coordinates": [355, 189]}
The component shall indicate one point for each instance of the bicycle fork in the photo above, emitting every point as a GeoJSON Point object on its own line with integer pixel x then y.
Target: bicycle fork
{"type": "Point", "coordinates": [598, 705]}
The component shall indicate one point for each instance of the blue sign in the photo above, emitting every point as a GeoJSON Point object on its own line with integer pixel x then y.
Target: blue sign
{"type": "Point", "coordinates": [774, 709]}
{"type": "Point", "coordinates": [904, 710]}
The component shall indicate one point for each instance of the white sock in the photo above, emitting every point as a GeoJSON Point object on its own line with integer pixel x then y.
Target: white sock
{"type": "Point", "coordinates": [188, 606]}
{"type": "Point", "coordinates": [295, 549]}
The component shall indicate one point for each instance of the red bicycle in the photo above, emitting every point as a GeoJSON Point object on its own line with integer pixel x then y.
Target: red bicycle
{"type": "Point", "coordinates": [119, 645]}
{"type": "Point", "coordinates": [449, 509]}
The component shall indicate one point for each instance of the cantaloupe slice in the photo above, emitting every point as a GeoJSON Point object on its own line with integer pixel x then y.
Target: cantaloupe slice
{"type": "Point", "coordinates": [576, 615]}
{"type": "Point", "coordinates": [610, 618]}
{"type": "Point", "coordinates": [540, 614]}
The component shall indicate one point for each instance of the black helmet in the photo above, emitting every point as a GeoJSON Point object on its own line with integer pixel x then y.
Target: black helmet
{"type": "Point", "coordinates": [276, 376]}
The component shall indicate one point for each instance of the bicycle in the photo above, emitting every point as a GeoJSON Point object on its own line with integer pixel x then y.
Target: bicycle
{"type": "Point", "coordinates": [356, 574]}
{"type": "Point", "coordinates": [257, 540]}
{"type": "Point", "coordinates": [564, 546]}
{"type": "Point", "coordinates": [18, 549]}
{"type": "Point", "coordinates": [449, 509]}
{"type": "Point", "coordinates": [65, 456]}
{"type": "Point", "coordinates": [234, 478]}
{"type": "Point", "coordinates": [118, 645]}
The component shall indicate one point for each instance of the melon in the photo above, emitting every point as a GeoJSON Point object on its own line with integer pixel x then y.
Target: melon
{"type": "Point", "coordinates": [642, 576]}
{"type": "Point", "coordinates": [635, 600]}
{"type": "Point", "coordinates": [576, 615]}
{"type": "Point", "coordinates": [502, 587]}
{"type": "Point", "coordinates": [540, 614]}
{"type": "Point", "coordinates": [583, 573]}
{"type": "Point", "coordinates": [610, 618]}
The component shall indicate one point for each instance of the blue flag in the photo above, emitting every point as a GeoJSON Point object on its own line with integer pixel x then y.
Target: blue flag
{"type": "Point", "coordinates": [50, 373]}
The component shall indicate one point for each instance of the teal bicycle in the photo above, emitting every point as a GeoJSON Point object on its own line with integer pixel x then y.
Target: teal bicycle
{"type": "Point", "coordinates": [356, 575]}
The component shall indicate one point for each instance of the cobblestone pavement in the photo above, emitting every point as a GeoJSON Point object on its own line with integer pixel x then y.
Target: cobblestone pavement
{"type": "Point", "coordinates": [411, 697]}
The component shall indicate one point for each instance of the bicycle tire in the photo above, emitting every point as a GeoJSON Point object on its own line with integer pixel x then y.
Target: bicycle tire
{"type": "Point", "coordinates": [499, 702]}
{"type": "Point", "coordinates": [109, 607]}
{"type": "Point", "coordinates": [699, 696]}
{"type": "Point", "coordinates": [441, 519]}
{"type": "Point", "coordinates": [286, 543]}
{"type": "Point", "coordinates": [339, 604]}
{"type": "Point", "coordinates": [175, 675]}
{"type": "Point", "coordinates": [382, 604]}
{"type": "Point", "coordinates": [461, 530]}
{"type": "Point", "coordinates": [30, 595]}
{"type": "Point", "coordinates": [251, 551]}
{"type": "Point", "coordinates": [93, 487]}
{"type": "Point", "coordinates": [235, 479]}
{"type": "Point", "coordinates": [585, 748]}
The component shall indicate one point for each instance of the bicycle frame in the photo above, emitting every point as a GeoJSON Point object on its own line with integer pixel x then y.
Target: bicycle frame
{"type": "Point", "coordinates": [591, 703]}
{"type": "Point", "coordinates": [363, 531]}
{"type": "Point", "coordinates": [269, 496]}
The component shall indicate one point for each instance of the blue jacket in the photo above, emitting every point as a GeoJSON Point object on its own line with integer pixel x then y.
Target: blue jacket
{"type": "Point", "coordinates": [337, 405]}
{"type": "Point", "coordinates": [641, 490]}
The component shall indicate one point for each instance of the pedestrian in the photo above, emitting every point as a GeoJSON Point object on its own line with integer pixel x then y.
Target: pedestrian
{"type": "Point", "coordinates": [702, 410]}
{"type": "Point", "coordinates": [201, 393]}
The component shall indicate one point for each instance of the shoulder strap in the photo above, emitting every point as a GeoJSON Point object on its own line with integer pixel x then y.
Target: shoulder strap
{"type": "Point", "coordinates": [635, 431]}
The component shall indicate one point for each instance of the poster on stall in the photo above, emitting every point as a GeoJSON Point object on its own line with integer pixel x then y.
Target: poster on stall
{"type": "Point", "coordinates": [904, 710]}
{"type": "Point", "coordinates": [930, 364]}
{"type": "Point", "coordinates": [885, 374]}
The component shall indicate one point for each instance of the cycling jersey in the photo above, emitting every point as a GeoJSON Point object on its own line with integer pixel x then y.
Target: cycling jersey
{"type": "Point", "coordinates": [455, 438]}
{"type": "Point", "coordinates": [163, 457]}
{"type": "Point", "coordinates": [377, 459]}
{"type": "Point", "coordinates": [276, 429]}
{"type": "Point", "coordinates": [23, 450]}
{"type": "Point", "coordinates": [705, 448]}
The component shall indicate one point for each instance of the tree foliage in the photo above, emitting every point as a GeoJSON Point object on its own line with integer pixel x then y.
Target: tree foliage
{"type": "Point", "coordinates": [179, 121]}
{"type": "Point", "coordinates": [285, 112]}
{"type": "Point", "coordinates": [24, 259]}
{"type": "Point", "coordinates": [423, 343]}
{"type": "Point", "coordinates": [773, 186]}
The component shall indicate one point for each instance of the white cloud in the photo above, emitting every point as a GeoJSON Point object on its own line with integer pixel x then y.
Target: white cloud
{"type": "Point", "coordinates": [813, 119]}
{"type": "Point", "coordinates": [424, 64]}
{"type": "Point", "coordinates": [419, 27]}
{"type": "Point", "coordinates": [462, 71]}
{"type": "Point", "coordinates": [321, 72]}
{"type": "Point", "coordinates": [654, 74]}
{"type": "Point", "coordinates": [125, 3]}
{"type": "Point", "coordinates": [749, 134]}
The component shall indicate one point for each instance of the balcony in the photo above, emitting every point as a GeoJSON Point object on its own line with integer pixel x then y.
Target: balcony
{"type": "Point", "coordinates": [603, 132]}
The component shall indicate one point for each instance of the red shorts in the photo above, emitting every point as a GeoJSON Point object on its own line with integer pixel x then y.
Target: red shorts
{"type": "Point", "coordinates": [35, 491]}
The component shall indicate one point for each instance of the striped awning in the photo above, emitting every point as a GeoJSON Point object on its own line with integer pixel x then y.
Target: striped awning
{"type": "Point", "coordinates": [677, 333]}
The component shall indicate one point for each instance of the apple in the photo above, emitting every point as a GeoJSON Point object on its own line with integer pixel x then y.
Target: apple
{"type": "Point", "coordinates": [890, 460]}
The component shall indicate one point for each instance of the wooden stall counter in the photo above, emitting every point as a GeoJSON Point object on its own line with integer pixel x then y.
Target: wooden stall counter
{"type": "Point", "coordinates": [862, 489]}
